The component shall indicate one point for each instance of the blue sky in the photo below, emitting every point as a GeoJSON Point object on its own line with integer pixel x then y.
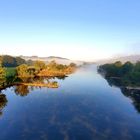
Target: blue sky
{"type": "Point", "coordinates": [76, 29]}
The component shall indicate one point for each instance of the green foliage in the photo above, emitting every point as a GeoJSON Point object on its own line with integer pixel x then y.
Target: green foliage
{"type": "Point", "coordinates": [2, 76]}
{"type": "Point", "coordinates": [32, 70]}
{"type": "Point", "coordinates": [128, 73]}
{"type": "Point", "coordinates": [60, 67]}
{"type": "Point", "coordinates": [118, 64]}
{"type": "Point", "coordinates": [2, 73]}
{"type": "Point", "coordinates": [40, 65]}
{"type": "Point", "coordinates": [22, 70]}
{"type": "Point", "coordinates": [52, 65]}
{"type": "Point", "coordinates": [18, 70]}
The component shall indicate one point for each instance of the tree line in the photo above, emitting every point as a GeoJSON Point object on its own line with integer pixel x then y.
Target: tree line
{"type": "Point", "coordinates": [129, 73]}
{"type": "Point", "coordinates": [12, 68]}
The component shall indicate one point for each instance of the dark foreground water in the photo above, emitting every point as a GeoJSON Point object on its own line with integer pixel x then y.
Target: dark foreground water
{"type": "Point", "coordinates": [85, 107]}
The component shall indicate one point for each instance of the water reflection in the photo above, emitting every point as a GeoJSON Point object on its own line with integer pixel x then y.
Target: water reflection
{"type": "Point", "coordinates": [133, 94]}
{"type": "Point", "coordinates": [22, 90]}
{"type": "Point", "coordinates": [83, 108]}
{"type": "Point", "coordinates": [3, 102]}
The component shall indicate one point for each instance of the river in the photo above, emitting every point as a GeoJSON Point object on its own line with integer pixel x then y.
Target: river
{"type": "Point", "coordinates": [84, 107]}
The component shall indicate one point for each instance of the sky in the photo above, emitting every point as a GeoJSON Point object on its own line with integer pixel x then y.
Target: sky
{"type": "Point", "coordinates": [75, 29]}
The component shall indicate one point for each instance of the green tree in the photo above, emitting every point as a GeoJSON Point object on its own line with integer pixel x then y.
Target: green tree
{"type": "Point", "coordinates": [137, 66]}
{"type": "Point", "coordinates": [2, 73]}
{"type": "Point", "coordinates": [52, 65]}
{"type": "Point", "coordinates": [32, 70]}
{"type": "Point", "coordinates": [2, 77]}
{"type": "Point", "coordinates": [118, 64]}
{"type": "Point", "coordinates": [60, 67]}
{"type": "Point", "coordinates": [22, 70]}
{"type": "Point", "coordinates": [127, 68]}
{"type": "Point", "coordinates": [40, 65]}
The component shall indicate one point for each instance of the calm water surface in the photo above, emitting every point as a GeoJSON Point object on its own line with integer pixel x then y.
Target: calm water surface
{"type": "Point", "coordinates": [84, 107]}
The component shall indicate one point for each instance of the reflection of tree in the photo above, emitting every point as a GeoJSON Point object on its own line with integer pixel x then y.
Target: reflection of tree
{"type": "Point", "coordinates": [114, 81]}
{"type": "Point", "coordinates": [3, 102]}
{"type": "Point", "coordinates": [22, 90]}
{"type": "Point", "coordinates": [61, 77]}
{"type": "Point", "coordinates": [133, 94]}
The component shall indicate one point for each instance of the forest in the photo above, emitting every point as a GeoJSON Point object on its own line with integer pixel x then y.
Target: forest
{"type": "Point", "coordinates": [128, 73]}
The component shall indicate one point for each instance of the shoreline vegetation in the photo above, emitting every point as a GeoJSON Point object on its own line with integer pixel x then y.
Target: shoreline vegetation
{"type": "Point", "coordinates": [125, 75]}
{"type": "Point", "coordinates": [17, 71]}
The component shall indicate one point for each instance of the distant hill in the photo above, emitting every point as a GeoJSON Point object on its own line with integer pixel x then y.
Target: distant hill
{"type": "Point", "coordinates": [131, 58]}
{"type": "Point", "coordinates": [59, 60]}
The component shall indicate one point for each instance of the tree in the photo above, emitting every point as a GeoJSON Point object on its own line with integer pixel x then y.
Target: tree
{"type": "Point", "coordinates": [137, 66]}
{"type": "Point", "coordinates": [126, 68]}
{"type": "Point", "coordinates": [2, 76]}
{"type": "Point", "coordinates": [22, 71]}
{"type": "Point", "coordinates": [128, 73]}
{"type": "Point", "coordinates": [72, 65]}
{"type": "Point", "coordinates": [118, 64]}
{"type": "Point", "coordinates": [61, 67]}
{"type": "Point", "coordinates": [52, 65]}
{"type": "Point", "coordinates": [40, 65]}
{"type": "Point", "coordinates": [32, 70]}
{"type": "Point", "coordinates": [2, 73]}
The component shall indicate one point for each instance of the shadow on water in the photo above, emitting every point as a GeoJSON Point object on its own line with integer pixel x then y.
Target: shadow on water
{"type": "Point", "coordinates": [133, 94]}
{"type": "Point", "coordinates": [23, 90]}
{"type": "Point", "coordinates": [3, 102]}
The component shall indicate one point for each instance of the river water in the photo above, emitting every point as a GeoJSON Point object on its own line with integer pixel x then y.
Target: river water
{"type": "Point", "coordinates": [84, 107]}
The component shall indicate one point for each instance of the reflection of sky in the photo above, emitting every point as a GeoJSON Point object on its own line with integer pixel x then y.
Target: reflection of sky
{"type": "Point", "coordinates": [84, 107]}
{"type": "Point", "coordinates": [86, 29]}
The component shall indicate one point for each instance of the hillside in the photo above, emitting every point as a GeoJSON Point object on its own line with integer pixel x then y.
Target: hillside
{"type": "Point", "coordinates": [59, 60]}
{"type": "Point", "coordinates": [131, 58]}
